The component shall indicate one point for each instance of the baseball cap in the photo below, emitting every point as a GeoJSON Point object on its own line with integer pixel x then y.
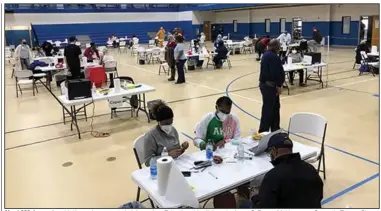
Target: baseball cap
{"type": "Point", "coordinates": [279, 140]}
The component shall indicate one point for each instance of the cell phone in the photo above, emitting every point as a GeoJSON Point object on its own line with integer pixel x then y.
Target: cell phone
{"type": "Point", "coordinates": [186, 173]}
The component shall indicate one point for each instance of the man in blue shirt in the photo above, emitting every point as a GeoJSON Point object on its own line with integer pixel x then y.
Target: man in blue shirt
{"type": "Point", "coordinates": [271, 79]}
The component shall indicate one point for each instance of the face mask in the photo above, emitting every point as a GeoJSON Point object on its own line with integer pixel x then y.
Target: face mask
{"type": "Point", "coordinates": [23, 43]}
{"type": "Point", "coordinates": [166, 128]}
{"type": "Point", "coordinates": [294, 51]}
{"type": "Point", "coordinates": [222, 116]}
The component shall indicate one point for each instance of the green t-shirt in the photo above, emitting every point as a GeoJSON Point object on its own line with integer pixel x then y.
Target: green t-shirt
{"type": "Point", "coordinates": [214, 132]}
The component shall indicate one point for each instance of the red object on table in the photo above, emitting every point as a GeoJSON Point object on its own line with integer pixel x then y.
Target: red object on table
{"type": "Point", "coordinates": [97, 75]}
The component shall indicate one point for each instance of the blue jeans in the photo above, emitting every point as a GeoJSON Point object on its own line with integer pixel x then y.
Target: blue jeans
{"type": "Point", "coordinates": [180, 71]}
{"type": "Point", "coordinates": [24, 63]}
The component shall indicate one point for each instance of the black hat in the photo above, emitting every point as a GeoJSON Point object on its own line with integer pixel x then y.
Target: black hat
{"type": "Point", "coordinates": [279, 140]}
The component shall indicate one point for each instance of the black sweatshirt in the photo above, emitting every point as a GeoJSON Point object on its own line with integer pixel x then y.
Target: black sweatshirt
{"type": "Point", "coordinates": [271, 69]}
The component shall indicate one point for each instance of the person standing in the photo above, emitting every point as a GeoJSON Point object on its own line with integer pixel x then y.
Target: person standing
{"type": "Point", "coordinates": [261, 46]}
{"type": "Point", "coordinates": [160, 35]}
{"type": "Point", "coordinates": [23, 54]}
{"type": "Point", "coordinates": [316, 40]}
{"type": "Point", "coordinates": [91, 52]}
{"type": "Point", "coordinates": [284, 40]}
{"type": "Point", "coordinates": [180, 58]}
{"type": "Point", "coordinates": [271, 79]}
{"type": "Point", "coordinates": [72, 58]}
{"type": "Point", "coordinates": [170, 58]}
{"type": "Point", "coordinates": [214, 33]}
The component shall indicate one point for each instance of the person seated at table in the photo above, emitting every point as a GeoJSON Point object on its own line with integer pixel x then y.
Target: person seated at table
{"type": "Point", "coordinates": [219, 127]}
{"type": "Point", "coordinates": [219, 38]}
{"type": "Point", "coordinates": [297, 57]}
{"type": "Point", "coordinates": [47, 47]}
{"type": "Point", "coordinates": [292, 183]}
{"type": "Point", "coordinates": [91, 52]}
{"type": "Point", "coordinates": [361, 47]}
{"type": "Point", "coordinates": [261, 46]}
{"type": "Point", "coordinates": [132, 41]}
{"type": "Point", "coordinates": [164, 134]}
{"type": "Point", "coordinates": [221, 51]}
{"type": "Point", "coordinates": [39, 52]}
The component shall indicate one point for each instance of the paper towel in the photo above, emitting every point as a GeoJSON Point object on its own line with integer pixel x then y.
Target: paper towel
{"type": "Point", "coordinates": [173, 184]}
{"type": "Point", "coordinates": [289, 60]}
{"type": "Point", "coordinates": [117, 85]}
{"type": "Point", "coordinates": [164, 165]}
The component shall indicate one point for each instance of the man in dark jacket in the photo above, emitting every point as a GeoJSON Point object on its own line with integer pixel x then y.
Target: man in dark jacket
{"type": "Point", "coordinates": [271, 79]}
{"type": "Point", "coordinates": [221, 51]}
{"type": "Point", "coordinates": [214, 33]}
{"type": "Point", "coordinates": [292, 183]}
{"type": "Point", "coordinates": [47, 47]}
{"type": "Point", "coordinates": [316, 40]}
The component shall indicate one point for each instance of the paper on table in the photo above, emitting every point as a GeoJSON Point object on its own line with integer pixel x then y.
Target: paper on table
{"type": "Point", "coordinates": [178, 189]}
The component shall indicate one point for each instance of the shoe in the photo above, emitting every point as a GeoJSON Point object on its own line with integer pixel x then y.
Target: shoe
{"type": "Point", "coordinates": [171, 79]}
{"type": "Point", "coordinates": [180, 82]}
{"type": "Point", "coordinates": [302, 85]}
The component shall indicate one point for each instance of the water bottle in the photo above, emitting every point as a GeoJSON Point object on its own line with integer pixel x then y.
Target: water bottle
{"type": "Point", "coordinates": [153, 167]}
{"type": "Point", "coordinates": [241, 152]}
{"type": "Point", "coordinates": [94, 89]}
{"type": "Point", "coordinates": [209, 150]}
{"type": "Point", "coordinates": [164, 152]}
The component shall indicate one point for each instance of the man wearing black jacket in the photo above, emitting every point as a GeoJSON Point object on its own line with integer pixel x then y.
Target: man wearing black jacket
{"type": "Point", "coordinates": [316, 40]}
{"type": "Point", "coordinates": [47, 47]}
{"type": "Point", "coordinates": [271, 79]}
{"type": "Point", "coordinates": [292, 183]}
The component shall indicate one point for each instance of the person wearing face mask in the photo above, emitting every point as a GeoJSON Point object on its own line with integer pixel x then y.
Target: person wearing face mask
{"type": "Point", "coordinates": [271, 79]}
{"type": "Point", "coordinates": [163, 135]}
{"type": "Point", "coordinates": [91, 52]}
{"type": "Point", "coordinates": [23, 54]}
{"type": "Point", "coordinates": [292, 183]}
{"type": "Point", "coordinates": [217, 42]}
{"type": "Point", "coordinates": [219, 127]}
{"type": "Point", "coordinates": [296, 58]}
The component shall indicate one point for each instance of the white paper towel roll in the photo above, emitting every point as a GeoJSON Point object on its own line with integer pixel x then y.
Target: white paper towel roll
{"type": "Point", "coordinates": [173, 184]}
{"type": "Point", "coordinates": [164, 165]}
{"type": "Point", "coordinates": [117, 85]}
{"type": "Point", "coordinates": [289, 60]}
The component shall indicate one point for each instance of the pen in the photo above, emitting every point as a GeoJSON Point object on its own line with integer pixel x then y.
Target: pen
{"type": "Point", "coordinates": [212, 175]}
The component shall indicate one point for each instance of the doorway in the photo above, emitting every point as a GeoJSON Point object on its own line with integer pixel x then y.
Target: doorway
{"type": "Point", "coordinates": [206, 30]}
{"type": "Point", "coordinates": [375, 36]}
{"type": "Point", "coordinates": [297, 28]}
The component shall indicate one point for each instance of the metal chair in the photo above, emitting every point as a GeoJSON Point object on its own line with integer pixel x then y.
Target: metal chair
{"type": "Point", "coordinates": [370, 65]}
{"type": "Point", "coordinates": [163, 64]}
{"type": "Point", "coordinates": [122, 47]}
{"type": "Point", "coordinates": [310, 124]}
{"type": "Point", "coordinates": [139, 155]}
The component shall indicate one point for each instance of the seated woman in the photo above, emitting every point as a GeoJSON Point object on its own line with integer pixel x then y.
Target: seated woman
{"type": "Point", "coordinates": [221, 51]}
{"type": "Point", "coordinates": [91, 52]}
{"type": "Point", "coordinates": [216, 43]}
{"type": "Point", "coordinates": [163, 135]}
{"type": "Point", "coordinates": [361, 47]}
{"type": "Point", "coordinates": [296, 58]}
{"type": "Point", "coordinates": [219, 127]}
{"type": "Point", "coordinates": [39, 52]}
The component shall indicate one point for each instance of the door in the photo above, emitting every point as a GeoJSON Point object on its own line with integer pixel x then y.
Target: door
{"type": "Point", "coordinates": [376, 31]}
{"type": "Point", "coordinates": [206, 30]}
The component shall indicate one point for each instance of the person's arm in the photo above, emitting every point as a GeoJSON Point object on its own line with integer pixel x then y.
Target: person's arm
{"type": "Point", "coordinates": [79, 53]}
{"type": "Point", "coordinates": [200, 131]}
{"type": "Point", "coordinates": [237, 130]}
{"type": "Point", "coordinates": [150, 148]}
{"type": "Point", "coordinates": [97, 53]}
{"type": "Point", "coordinates": [17, 52]}
{"type": "Point", "coordinates": [268, 192]}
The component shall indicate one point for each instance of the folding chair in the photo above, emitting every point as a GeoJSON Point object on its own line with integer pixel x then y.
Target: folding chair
{"type": "Point", "coordinates": [24, 77]}
{"type": "Point", "coordinates": [111, 68]}
{"type": "Point", "coordinates": [127, 105]}
{"type": "Point", "coordinates": [365, 61]}
{"type": "Point", "coordinates": [122, 46]}
{"type": "Point", "coordinates": [155, 54]}
{"type": "Point", "coordinates": [139, 155]}
{"type": "Point", "coordinates": [151, 44]}
{"type": "Point", "coordinates": [163, 64]}
{"type": "Point", "coordinates": [310, 124]}
{"type": "Point", "coordinates": [227, 60]}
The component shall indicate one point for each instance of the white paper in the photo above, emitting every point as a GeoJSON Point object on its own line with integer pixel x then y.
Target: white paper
{"type": "Point", "coordinates": [164, 165]}
{"type": "Point", "coordinates": [117, 85]}
{"type": "Point", "coordinates": [178, 189]}
{"type": "Point", "coordinates": [289, 60]}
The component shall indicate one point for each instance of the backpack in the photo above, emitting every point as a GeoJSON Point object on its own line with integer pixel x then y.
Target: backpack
{"type": "Point", "coordinates": [364, 68]}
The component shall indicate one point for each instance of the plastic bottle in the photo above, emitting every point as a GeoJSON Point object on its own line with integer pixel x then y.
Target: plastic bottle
{"type": "Point", "coordinates": [209, 150]}
{"type": "Point", "coordinates": [164, 152]}
{"type": "Point", "coordinates": [153, 167]}
{"type": "Point", "coordinates": [241, 152]}
{"type": "Point", "coordinates": [94, 89]}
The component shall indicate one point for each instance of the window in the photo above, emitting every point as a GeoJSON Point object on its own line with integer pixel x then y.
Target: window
{"type": "Point", "coordinates": [235, 28]}
{"type": "Point", "coordinates": [267, 23]}
{"type": "Point", "coordinates": [346, 23]}
{"type": "Point", "coordinates": [282, 22]}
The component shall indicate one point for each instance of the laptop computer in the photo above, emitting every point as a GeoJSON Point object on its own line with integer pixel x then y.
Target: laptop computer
{"type": "Point", "coordinates": [262, 145]}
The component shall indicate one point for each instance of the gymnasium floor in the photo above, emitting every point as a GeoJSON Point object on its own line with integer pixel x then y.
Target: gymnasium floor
{"type": "Point", "coordinates": [37, 143]}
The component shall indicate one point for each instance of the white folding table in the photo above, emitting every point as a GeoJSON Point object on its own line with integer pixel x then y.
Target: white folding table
{"type": "Point", "coordinates": [229, 175]}
{"type": "Point", "coordinates": [298, 66]}
{"type": "Point", "coordinates": [374, 54]}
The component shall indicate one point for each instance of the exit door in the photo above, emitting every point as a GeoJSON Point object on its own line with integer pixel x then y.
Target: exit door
{"type": "Point", "coordinates": [376, 30]}
{"type": "Point", "coordinates": [206, 29]}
